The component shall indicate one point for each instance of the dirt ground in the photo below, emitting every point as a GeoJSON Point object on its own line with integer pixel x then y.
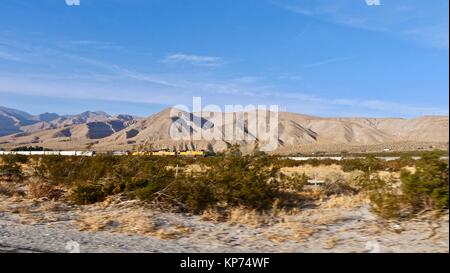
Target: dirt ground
{"type": "Point", "coordinates": [340, 224]}
{"type": "Point", "coordinates": [330, 224]}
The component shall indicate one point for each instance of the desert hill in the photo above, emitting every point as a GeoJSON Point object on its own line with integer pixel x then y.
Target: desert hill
{"type": "Point", "coordinates": [296, 132]}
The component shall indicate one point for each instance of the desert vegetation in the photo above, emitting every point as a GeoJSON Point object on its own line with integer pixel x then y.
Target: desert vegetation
{"type": "Point", "coordinates": [229, 201]}
{"type": "Point", "coordinates": [222, 183]}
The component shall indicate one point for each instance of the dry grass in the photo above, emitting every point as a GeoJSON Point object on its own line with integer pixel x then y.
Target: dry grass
{"type": "Point", "coordinates": [279, 225]}
{"type": "Point", "coordinates": [23, 210]}
{"type": "Point", "coordinates": [344, 201]}
{"type": "Point", "coordinates": [289, 231]}
{"type": "Point", "coordinates": [33, 211]}
{"type": "Point", "coordinates": [190, 169]}
{"type": "Point", "coordinates": [332, 210]}
{"type": "Point", "coordinates": [135, 221]}
{"type": "Point", "coordinates": [213, 216]}
{"type": "Point", "coordinates": [127, 217]}
{"type": "Point", "coordinates": [240, 215]}
{"type": "Point", "coordinates": [374, 229]}
{"type": "Point", "coordinates": [410, 169]}
{"type": "Point", "coordinates": [37, 189]}
{"type": "Point", "coordinates": [196, 168]}
{"type": "Point", "coordinates": [296, 224]}
{"type": "Point", "coordinates": [331, 242]}
{"type": "Point", "coordinates": [326, 219]}
{"type": "Point", "coordinates": [10, 189]}
{"type": "Point", "coordinates": [7, 189]}
{"type": "Point", "coordinates": [249, 217]}
{"type": "Point", "coordinates": [317, 172]}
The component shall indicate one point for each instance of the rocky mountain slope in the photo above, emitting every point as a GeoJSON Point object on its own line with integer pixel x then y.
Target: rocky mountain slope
{"type": "Point", "coordinates": [17, 127]}
{"type": "Point", "coordinates": [296, 133]}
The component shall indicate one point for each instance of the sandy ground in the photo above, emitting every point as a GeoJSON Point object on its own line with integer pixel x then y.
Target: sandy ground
{"type": "Point", "coordinates": [341, 224]}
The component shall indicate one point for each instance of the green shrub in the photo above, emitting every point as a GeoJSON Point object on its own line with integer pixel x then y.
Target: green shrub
{"type": "Point", "coordinates": [88, 194]}
{"type": "Point", "coordinates": [428, 187]}
{"type": "Point", "coordinates": [229, 180]}
{"type": "Point", "coordinates": [399, 164]}
{"type": "Point", "coordinates": [235, 181]}
{"type": "Point", "coordinates": [195, 194]}
{"type": "Point", "coordinates": [387, 205]}
{"type": "Point", "coordinates": [15, 159]}
{"type": "Point", "coordinates": [245, 181]}
{"type": "Point", "coordinates": [10, 168]}
{"type": "Point", "coordinates": [11, 172]}
{"type": "Point", "coordinates": [148, 189]}
{"type": "Point", "coordinates": [385, 197]}
{"type": "Point", "coordinates": [296, 182]}
{"type": "Point", "coordinates": [369, 164]}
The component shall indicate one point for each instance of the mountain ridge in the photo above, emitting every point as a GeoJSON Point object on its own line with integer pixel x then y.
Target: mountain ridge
{"type": "Point", "coordinates": [296, 132]}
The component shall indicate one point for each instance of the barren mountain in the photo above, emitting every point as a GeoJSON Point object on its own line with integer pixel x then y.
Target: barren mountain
{"type": "Point", "coordinates": [13, 121]}
{"type": "Point", "coordinates": [296, 133]}
{"type": "Point", "coordinates": [59, 132]}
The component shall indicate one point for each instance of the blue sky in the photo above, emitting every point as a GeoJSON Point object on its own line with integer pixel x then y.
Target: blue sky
{"type": "Point", "coordinates": [319, 57]}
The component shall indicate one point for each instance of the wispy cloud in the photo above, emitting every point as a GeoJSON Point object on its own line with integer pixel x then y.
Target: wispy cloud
{"type": "Point", "coordinates": [9, 56]}
{"type": "Point", "coordinates": [98, 79]}
{"type": "Point", "coordinates": [348, 105]}
{"type": "Point", "coordinates": [112, 88]}
{"type": "Point", "coordinates": [434, 36]}
{"type": "Point", "coordinates": [54, 57]}
{"type": "Point", "coordinates": [101, 45]}
{"type": "Point", "coordinates": [327, 61]}
{"type": "Point", "coordinates": [197, 60]}
{"type": "Point", "coordinates": [415, 20]}
{"type": "Point", "coordinates": [89, 42]}
{"type": "Point", "coordinates": [391, 107]}
{"type": "Point", "coordinates": [289, 77]}
{"type": "Point", "coordinates": [8, 53]}
{"type": "Point", "coordinates": [346, 13]}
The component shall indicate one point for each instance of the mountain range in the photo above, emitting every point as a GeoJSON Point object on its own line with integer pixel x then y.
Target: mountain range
{"type": "Point", "coordinates": [296, 133]}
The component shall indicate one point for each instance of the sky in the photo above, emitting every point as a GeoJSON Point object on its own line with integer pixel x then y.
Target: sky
{"type": "Point", "coordinates": [319, 57]}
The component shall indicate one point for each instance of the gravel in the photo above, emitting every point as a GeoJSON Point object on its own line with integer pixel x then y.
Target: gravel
{"type": "Point", "coordinates": [355, 230]}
